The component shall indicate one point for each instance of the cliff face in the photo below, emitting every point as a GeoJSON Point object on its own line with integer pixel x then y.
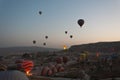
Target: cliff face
{"type": "Point", "coordinates": [97, 47]}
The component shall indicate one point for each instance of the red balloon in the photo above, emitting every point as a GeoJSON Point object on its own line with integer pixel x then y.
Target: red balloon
{"type": "Point", "coordinates": [49, 73]}
{"type": "Point", "coordinates": [25, 65]}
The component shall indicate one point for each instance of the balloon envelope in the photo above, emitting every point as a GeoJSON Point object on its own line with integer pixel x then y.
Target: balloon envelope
{"type": "Point", "coordinates": [46, 37]}
{"type": "Point", "coordinates": [81, 22]}
{"type": "Point", "coordinates": [44, 44]}
{"type": "Point", "coordinates": [71, 36]}
{"type": "Point", "coordinates": [34, 42]}
{"type": "Point", "coordinates": [3, 67]}
{"type": "Point", "coordinates": [40, 12]}
{"type": "Point", "coordinates": [44, 71]}
{"type": "Point", "coordinates": [65, 32]}
{"type": "Point", "coordinates": [25, 65]}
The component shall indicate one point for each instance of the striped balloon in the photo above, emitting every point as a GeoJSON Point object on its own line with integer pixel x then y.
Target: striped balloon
{"type": "Point", "coordinates": [25, 65]}
{"type": "Point", "coordinates": [3, 67]}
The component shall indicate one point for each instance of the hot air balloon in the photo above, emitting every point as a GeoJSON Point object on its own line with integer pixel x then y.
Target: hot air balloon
{"type": "Point", "coordinates": [12, 75]}
{"type": "Point", "coordinates": [53, 68]}
{"type": "Point", "coordinates": [46, 37]}
{"type": "Point", "coordinates": [59, 60]}
{"type": "Point", "coordinates": [64, 47]}
{"type": "Point", "coordinates": [49, 73]}
{"type": "Point", "coordinates": [40, 12]}
{"type": "Point", "coordinates": [46, 71]}
{"type": "Point", "coordinates": [66, 32]}
{"type": "Point", "coordinates": [3, 67]}
{"type": "Point", "coordinates": [80, 22]}
{"type": "Point", "coordinates": [44, 44]}
{"type": "Point", "coordinates": [71, 36]}
{"type": "Point", "coordinates": [34, 42]}
{"type": "Point", "coordinates": [59, 67]}
{"type": "Point", "coordinates": [25, 65]}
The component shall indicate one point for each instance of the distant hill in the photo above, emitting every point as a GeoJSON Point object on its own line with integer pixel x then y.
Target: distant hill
{"type": "Point", "coordinates": [19, 50]}
{"type": "Point", "coordinates": [97, 47]}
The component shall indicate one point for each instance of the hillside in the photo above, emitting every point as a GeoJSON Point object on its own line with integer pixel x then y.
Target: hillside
{"type": "Point", "coordinates": [97, 47]}
{"type": "Point", "coordinates": [19, 50]}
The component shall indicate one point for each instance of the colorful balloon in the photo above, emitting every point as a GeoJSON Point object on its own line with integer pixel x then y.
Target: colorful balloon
{"type": "Point", "coordinates": [24, 65]}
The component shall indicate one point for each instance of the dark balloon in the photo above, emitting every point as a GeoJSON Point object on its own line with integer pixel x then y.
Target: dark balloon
{"type": "Point", "coordinates": [34, 42]}
{"type": "Point", "coordinates": [40, 12]}
{"type": "Point", "coordinates": [65, 32]}
{"type": "Point", "coordinates": [71, 36]}
{"type": "Point", "coordinates": [44, 44]}
{"type": "Point", "coordinates": [46, 37]}
{"type": "Point", "coordinates": [81, 22]}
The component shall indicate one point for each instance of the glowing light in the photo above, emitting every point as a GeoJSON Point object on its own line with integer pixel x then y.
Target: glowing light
{"type": "Point", "coordinates": [64, 47]}
{"type": "Point", "coordinates": [28, 73]}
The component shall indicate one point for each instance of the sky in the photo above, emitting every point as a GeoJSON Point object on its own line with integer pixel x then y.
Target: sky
{"type": "Point", "coordinates": [21, 23]}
